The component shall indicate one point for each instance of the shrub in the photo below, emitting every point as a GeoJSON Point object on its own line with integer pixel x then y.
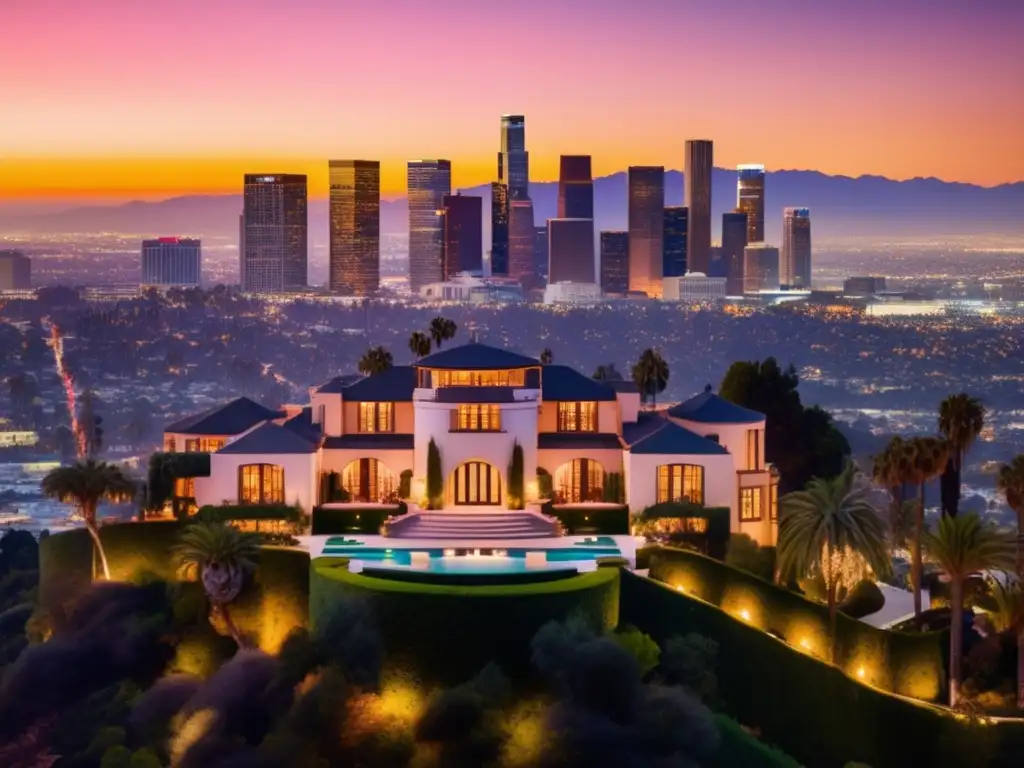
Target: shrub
{"type": "Point", "coordinates": [581, 519]}
{"type": "Point", "coordinates": [435, 482]}
{"type": "Point", "coordinates": [515, 478]}
{"type": "Point", "coordinates": [863, 600]}
{"type": "Point", "coordinates": [690, 661]}
{"type": "Point", "coordinates": [744, 553]}
{"type": "Point", "coordinates": [405, 484]}
{"type": "Point", "coordinates": [228, 513]}
{"type": "Point", "coordinates": [614, 491]}
{"type": "Point", "coordinates": [640, 646]}
{"type": "Point", "coordinates": [706, 528]}
{"type": "Point", "coordinates": [331, 488]}
{"type": "Point", "coordinates": [164, 469]}
{"type": "Point", "coordinates": [354, 519]}
{"type": "Point", "coordinates": [739, 748]}
{"type": "Point", "coordinates": [545, 483]}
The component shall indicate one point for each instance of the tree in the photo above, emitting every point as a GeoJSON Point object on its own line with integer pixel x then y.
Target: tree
{"type": "Point", "coordinates": [442, 330]}
{"type": "Point", "coordinates": [419, 345]}
{"type": "Point", "coordinates": [376, 360]}
{"type": "Point", "coordinates": [222, 556]}
{"type": "Point", "coordinates": [961, 418]}
{"type": "Point", "coordinates": [607, 372]}
{"type": "Point", "coordinates": [435, 480]}
{"type": "Point", "coordinates": [890, 470]}
{"type": "Point", "coordinates": [85, 484]}
{"type": "Point", "coordinates": [547, 357]}
{"type": "Point", "coordinates": [829, 529]}
{"type": "Point", "coordinates": [651, 374]}
{"type": "Point", "coordinates": [962, 547]}
{"type": "Point", "coordinates": [91, 424]}
{"type": "Point", "coordinates": [924, 458]}
{"type": "Point", "coordinates": [1010, 482]}
{"type": "Point", "coordinates": [516, 494]}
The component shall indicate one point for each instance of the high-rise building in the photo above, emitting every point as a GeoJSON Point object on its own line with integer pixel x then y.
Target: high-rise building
{"type": "Point", "coordinates": [522, 236]}
{"type": "Point", "coordinates": [646, 228]}
{"type": "Point", "coordinates": [796, 248]}
{"type": "Point", "coordinates": [760, 268]}
{"type": "Point", "coordinates": [575, 188]}
{"type": "Point", "coordinates": [274, 233]}
{"type": "Point", "coordinates": [15, 271]}
{"type": "Point", "coordinates": [571, 251]}
{"type": "Point", "coordinates": [540, 256]}
{"type": "Point", "coordinates": [463, 234]}
{"type": "Point", "coordinates": [428, 182]}
{"type": "Point", "coordinates": [514, 160]}
{"type": "Point", "coordinates": [750, 199]}
{"type": "Point", "coordinates": [500, 213]}
{"type": "Point", "coordinates": [734, 240]}
{"type": "Point", "coordinates": [171, 261]}
{"type": "Point", "coordinates": [355, 226]}
{"type": "Point", "coordinates": [697, 187]}
{"type": "Point", "coordinates": [674, 250]}
{"type": "Point", "coordinates": [614, 263]}
{"type": "Point", "coordinates": [863, 286]}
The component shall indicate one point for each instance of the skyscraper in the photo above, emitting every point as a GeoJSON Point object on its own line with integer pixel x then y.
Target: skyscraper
{"type": "Point", "coordinates": [428, 182]}
{"type": "Point", "coordinates": [355, 226]}
{"type": "Point", "coordinates": [463, 234]}
{"type": "Point", "coordinates": [522, 236]}
{"type": "Point", "coordinates": [540, 256]}
{"type": "Point", "coordinates": [795, 270]}
{"type": "Point", "coordinates": [760, 268]}
{"type": "Point", "coordinates": [674, 252]}
{"type": "Point", "coordinates": [575, 188]}
{"type": "Point", "coordinates": [614, 263]}
{"type": "Point", "coordinates": [274, 233]}
{"type": "Point", "coordinates": [750, 199]}
{"type": "Point", "coordinates": [571, 251]}
{"type": "Point", "coordinates": [514, 160]}
{"type": "Point", "coordinates": [699, 167]}
{"type": "Point", "coordinates": [646, 228]}
{"type": "Point", "coordinates": [15, 271]}
{"type": "Point", "coordinates": [171, 261]}
{"type": "Point", "coordinates": [499, 227]}
{"type": "Point", "coordinates": [734, 240]}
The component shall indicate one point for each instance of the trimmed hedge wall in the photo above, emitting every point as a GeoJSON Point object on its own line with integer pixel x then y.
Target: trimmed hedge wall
{"type": "Point", "coordinates": [911, 664]}
{"type": "Point", "coordinates": [354, 519]}
{"type": "Point", "coordinates": [739, 749]}
{"type": "Point", "coordinates": [808, 708]}
{"type": "Point", "coordinates": [713, 541]}
{"type": "Point", "coordinates": [585, 519]}
{"type": "Point", "coordinates": [446, 634]}
{"type": "Point", "coordinates": [466, 579]}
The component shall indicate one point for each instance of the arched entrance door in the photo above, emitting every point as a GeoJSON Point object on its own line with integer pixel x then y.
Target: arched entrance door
{"type": "Point", "coordinates": [475, 483]}
{"type": "Point", "coordinates": [579, 480]}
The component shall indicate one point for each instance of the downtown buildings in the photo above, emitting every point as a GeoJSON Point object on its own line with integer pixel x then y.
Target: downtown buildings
{"type": "Point", "coordinates": [274, 233]}
{"type": "Point", "coordinates": [354, 227]}
{"type": "Point", "coordinates": [462, 221]}
{"type": "Point", "coordinates": [429, 181]}
{"type": "Point", "coordinates": [699, 165]}
{"type": "Point", "coordinates": [171, 262]}
{"type": "Point", "coordinates": [795, 268]}
{"type": "Point", "coordinates": [734, 240]}
{"type": "Point", "coordinates": [646, 228]}
{"type": "Point", "coordinates": [750, 199]}
{"type": "Point", "coordinates": [15, 271]}
{"type": "Point", "coordinates": [512, 186]}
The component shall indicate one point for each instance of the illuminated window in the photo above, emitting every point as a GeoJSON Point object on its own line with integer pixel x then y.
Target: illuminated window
{"type": "Point", "coordinates": [368, 480]}
{"type": "Point", "coordinates": [754, 449]}
{"type": "Point", "coordinates": [577, 417]}
{"type": "Point", "coordinates": [204, 444]}
{"type": "Point", "coordinates": [171, 445]}
{"type": "Point", "coordinates": [185, 487]}
{"type": "Point", "coordinates": [477, 418]}
{"type": "Point", "coordinates": [376, 417]}
{"type": "Point", "coordinates": [579, 480]}
{"type": "Point", "coordinates": [681, 482]}
{"type": "Point", "coordinates": [750, 505]}
{"type": "Point", "coordinates": [261, 484]}
{"type": "Point", "coordinates": [773, 502]}
{"type": "Point", "coordinates": [478, 378]}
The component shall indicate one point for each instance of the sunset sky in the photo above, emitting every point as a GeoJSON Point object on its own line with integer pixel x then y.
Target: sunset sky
{"type": "Point", "coordinates": [121, 99]}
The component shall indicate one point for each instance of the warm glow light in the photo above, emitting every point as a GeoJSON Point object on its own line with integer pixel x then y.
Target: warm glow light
{"type": "Point", "coordinates": [449, 553]}
{"type": "Point", "coordinates": [805, 644]}
{"type": "Point", "coordinates": [680, 588]}
{"type": "Point", "coordinates": [745, 614]}
{"type": "Point", "coordinates": [860, 672]}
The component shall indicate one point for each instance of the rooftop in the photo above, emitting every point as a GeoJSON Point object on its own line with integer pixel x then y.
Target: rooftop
{"type": "Point", "coordinates": [560, 382]}
{"type": "Point", "coordinates": [674, 439]}
{"type": "Point", "coordinates": [709, 408]}
{"type": "Point", "coordinates": [340, 383]}
{"type": "Point", "coordinates": [270, 438]}
{"type": "Point", "coordinates": [232, 418]}
{"type": "Point", "coordinates": [476, 357]}
{"type": "Point", "coordinates": [393, 385]}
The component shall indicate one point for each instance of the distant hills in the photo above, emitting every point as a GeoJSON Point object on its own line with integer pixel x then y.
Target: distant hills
{"type": "Point", "coordinates": [840, 206]}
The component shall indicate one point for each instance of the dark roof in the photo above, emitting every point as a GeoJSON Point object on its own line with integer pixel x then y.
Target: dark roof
{"type": "Point", "coordinates": [476, 357]}
{"type": "Point", "coordinates": [709, 408]}
{"type": "Point", "coordinates": [269, 439]}
{"type": "Point", "coordinates": [302, 425]}
{"type": "Point", "coordinates": [393, 385]}
{"type": "Point", "coordinates": [560, 382]}
{"type": "Point", "coordinates": [647, 422]}
{"type": "Point", "coordinates": [340, 383]}
{"type": "Point", "coordinates": [580, 440]}
{"type": "Point", "coordinates": [476, 395]}
{"type": "Point", "coordinates": [622, 385]}
{"type": "Point", "coordinates": [383, 441]}
{"type": "Point", "coordinates": [232, 418]}
{"type": "Point", "coordinates": [676, 440]}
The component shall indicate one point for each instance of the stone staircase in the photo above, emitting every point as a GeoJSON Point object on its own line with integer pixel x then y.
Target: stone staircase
{"type": "Point", "coordinates": [473, 523]}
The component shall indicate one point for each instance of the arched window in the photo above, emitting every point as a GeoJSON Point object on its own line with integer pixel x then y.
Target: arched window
{"type": "Point", "coordinates": [681, 482]}
{"type": "Point", "coordinates": [579, 480]}
{"type": "Point", "coordinates": [368, 480]}
{"type": "Point", "coordinates": [260, 484]}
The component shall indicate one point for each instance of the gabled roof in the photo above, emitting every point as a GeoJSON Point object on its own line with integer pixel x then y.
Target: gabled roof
{"type": "Point", "coordinates": [580, 440]}
{"type": "Point", "coordinates": [232, 418]}
{"type": "Point", "coordinates": [675, 440]}
{"type": "Point", "coordinates": [709, 408]}
{"type": "Point", "coordinates": [560, 382]}
{"type": "Point", "coordinates": [340, 383]}
{"type": "Point", "coordinates": [393, 385]}
{"type": "Point", "coordinates": [476, 357]}
{"type": "Point", "coordinates": [622, 385]}
{"type": "Point", "coordinates": [270, 439]}
{"type": "Point", "coordinates": [381, 441]}
{"type": "Point", "coordinates": [302, 425]}
{"type": "Point", "coordinates": [647, 423]}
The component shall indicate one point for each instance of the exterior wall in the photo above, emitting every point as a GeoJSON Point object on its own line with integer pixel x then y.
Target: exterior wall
{"type": "Point", "coordinates": [719, 480]}
{"type": "Point", "coordinates": [335, 459]}
{"type": "Point", "coordinates": [301, 478]}
{"type": "Point", "coordinates": [764, 531]}
{"type": "Point", "coordinates": [332, 404]}
{"type": "Point", "coordinates": [732, 437]}
{"type": "Point", "coordinates": [629, 406]}
{"type": "Point", "coordinates": [607, 417]}
{"type": "Point", "coordinates": [404, 418]}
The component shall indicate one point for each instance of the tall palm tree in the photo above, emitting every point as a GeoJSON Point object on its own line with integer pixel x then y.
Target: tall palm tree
{"type": "Point", "coordinates": [961, 418]}
{"type": "Point", "coordinates": [827, 523]}
{"type": "Point", "coordinates": [651, 374]}
{"type": "Point", "coordinates": [962, 547]}
{"type": "Point", "coordinates": [1010, 482]}
{"type": "Point", "coordinates": [419, 345]}
{"type": "Point", "coordinates": [441, 330]}
{"type": "Point", "coordinates": [85, 484]}
{"type": "Point", "coordinates": [376, 360]}
{"type": "Point", "coordinates": [222, 556]}
{"type": "Point", "coordinates": [547, 357]}
{"type": "Point", "coordinates": [890, 472]}
{"type": "Point", "coordinates": [925, 459]}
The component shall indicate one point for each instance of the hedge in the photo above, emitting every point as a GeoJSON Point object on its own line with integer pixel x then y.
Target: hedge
{"type": "Point", "coordinates": [413, 576]}
{"type": "Point", "coordinates": [808, 708]}
{"type": "Point", "coordinates": [354, 519]}
{"type": "Point", "coordinates": [715, 538]}
{"type": "Point", "coordinates": [275, 601]}
{"type": "Point", "coordinates": [446, 634]}
{"type": "Point", "coordinates": [165, 468]}
{"type": "Point", "coordinates": [226, 513]}
{"type": "Point", "coordinates": [739, 748]}
{"type": "Point", "coordinates": [578, 519]}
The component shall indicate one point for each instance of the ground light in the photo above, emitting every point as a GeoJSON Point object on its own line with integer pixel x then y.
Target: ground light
{"type": "Point", "coordinates": [745, 615]}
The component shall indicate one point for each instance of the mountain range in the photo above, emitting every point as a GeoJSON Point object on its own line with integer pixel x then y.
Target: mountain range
{"type": "Point", "coordinates": [840, 206]}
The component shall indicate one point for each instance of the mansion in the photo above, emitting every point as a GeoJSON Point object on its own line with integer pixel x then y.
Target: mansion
{"type": "Point", "coordinates": [581, 441]}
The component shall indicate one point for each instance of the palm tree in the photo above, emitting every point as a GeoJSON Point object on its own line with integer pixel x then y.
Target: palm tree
{"type": "Point", "coordinates": [223, 556]}
{"type": "Point", "coordinates": [419, 345]}
{"type": "Point", "coordinates": [1010, 482]}
{"type": "Point", "coordinates": [924, 459]}
{"type": "Point", "coordinates": [890, 471]}
{"type": "Point", "coordinates": [607, 372]}
{"type": "Point", "coordinates": [376, 360]}
{"type": "Point", "coordinates": [651, 374]}
{"type": "Point", "coordinates": [441, 330]}
{"type": "Point", "coordinates": [85, 484]}
{"type": "Point", "coordinates": [547, 357]}
{"type": "Point", "coordinates": [961, 418]}
{"type": "Point", "coordinates": [829, 528]}
{"type": "Point", "coordinates": [962, 547]}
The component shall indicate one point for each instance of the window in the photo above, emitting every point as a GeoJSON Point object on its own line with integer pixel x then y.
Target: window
{"type": "Point", "coordinates": [750, 505]}
{"type": "Point", "coordinates": [376, 417]}
{"type": "Point", "coordinates": [185, 487]}
{"type": "Point", "coordinates": [261, 484]}
{"type": "Point", "coordinates": [477, 378]}
{"type": "Point", "coordinates": [754, 449]}
{"type": "Point", "coordinates": [681, 482]}
{"type": "Point", "coordinates": [203, 444]}
{"type": "Point", "coordinates": [579, 480]}
{"type": "Point", "coordinates": [577, 417]}
{"type": "Point", "coordinates": [477, 418]}
{"type": "Point", "coordinates": [367, 480]}
{"type": "Point", "coordinates": [171, 445]}
{"type": "Point", "coordinates": [321, 418]}
{"type": "Point", "coordinates": [773, 502]}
